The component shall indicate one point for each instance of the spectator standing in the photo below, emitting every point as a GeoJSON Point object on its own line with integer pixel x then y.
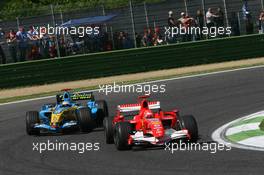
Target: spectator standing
{"type": "Point", "coordinates": [138, 39]}
{"type": "Point", "coordinates": [235, 28]}
{"type": "Point", "coordinates": [261, 22]}
{"type": "Point", "coordinates": [44, 45]}
{"type": "Point", "coordinates": [144, 40]}
{"type": "Point", "coordinates": [200, 23]}
{"type": "Point", "coordinates": [247, 17]}
{"type": "Point", "coordinates": [245, 9]}
{"type": "Point", "coordinates": [127, 42]}
{"type": "Point", "coordinates": [150, 37]}
{"type": "Point", "coordinates": [249, 24]}
{"type": "Point", "coordinates": [62, 45]}
{"type": "Point", "coordinates": [2, 54]}
{"type": "Point", "coordinates": [147, 39]}
{"type": "Point", "coordinates": [210, 18]}
{"type": "Point", "coordinates": [115, 40]}
{"type": "Point", "coordinates": [171, 20]}
{"type": "Point", "coordinates": [22, 41]}
{"type": "Point", "coordinates": [157, 38]}
{"type": "Point", "coordinates": [12, 44]}
{"type": "Point", "coordinates": [33, 49]}
{"type": "Point", "coordinates": [52, 47]}
{"type": "Point", "coordinates": [171, 23]}
{"type": "Point", "coordinates": [120, 40]}
{"type": "Point", "coordinates": [219, 19]}
{"type": "Point", "coordinates": [186, 22]}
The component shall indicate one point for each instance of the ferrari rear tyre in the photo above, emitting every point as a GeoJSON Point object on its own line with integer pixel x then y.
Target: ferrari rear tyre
{"type": "Point", "coordinates": [188, 122]}
{"type": "Point", "coordinates": [108, 130]}
{"type": "Point", "coordinates": [86, 122]}
{"type": "Point", "coordinates": [32, 118]}
{"type": "Point", "coordinates": [102, 111]}
{"type": "Point", "coordinates": [121, 135]}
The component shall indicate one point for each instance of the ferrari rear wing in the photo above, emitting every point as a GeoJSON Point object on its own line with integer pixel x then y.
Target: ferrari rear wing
{"type": "Point", "coordinates": [136, 107]}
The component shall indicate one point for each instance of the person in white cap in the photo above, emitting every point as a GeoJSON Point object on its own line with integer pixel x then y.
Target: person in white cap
{"type": "Point", "coordinates": [261, 22]}
{"type": "Point", "coordinates": [210, 16]}
{"type": "Point", "coordinates": [171, 20]}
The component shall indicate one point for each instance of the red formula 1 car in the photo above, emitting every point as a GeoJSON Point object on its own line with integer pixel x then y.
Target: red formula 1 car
{"type": "Point", "coordinates": [145, 123]}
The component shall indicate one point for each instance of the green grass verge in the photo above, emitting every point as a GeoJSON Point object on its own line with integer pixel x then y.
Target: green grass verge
{"type": "Point", "coordinates": [18, 98]}
{"type": "Point", "coordinates": [245, 135]}
{"type": "Point", "coordinates": [253, 120]}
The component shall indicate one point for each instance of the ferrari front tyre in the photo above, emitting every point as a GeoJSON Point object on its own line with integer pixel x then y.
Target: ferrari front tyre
{"type": "Point", "coordinates": [32, 118]}
{"type": "Point", "coordinates": [108, 130]}
{"type": "Point", "coordinates": [102, 111]}
{"type": "Point", "coordinates": [188, 122]}
{"type": "Point", "coordinates": [121, 135]}
{"type": "Point", "coordinates": [85, 120]}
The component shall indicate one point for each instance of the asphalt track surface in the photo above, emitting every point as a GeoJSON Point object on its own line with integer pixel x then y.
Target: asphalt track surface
{"type": "Point", "coordinates": [213, 99]}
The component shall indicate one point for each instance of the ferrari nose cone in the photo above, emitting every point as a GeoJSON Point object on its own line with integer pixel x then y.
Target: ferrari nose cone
{"type": "Point", "coordinates": [158, 133]}
{"type": "Point", "coordinates": [157, 128]}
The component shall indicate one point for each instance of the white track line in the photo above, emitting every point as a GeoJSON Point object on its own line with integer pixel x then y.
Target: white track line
{"type": "Point", "coordinates": [150, 82]}
{"type": "Point", "coordinates": [257, 141]}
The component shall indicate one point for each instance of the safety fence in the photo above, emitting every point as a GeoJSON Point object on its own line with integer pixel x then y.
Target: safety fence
{"type": "Point", "coordinates": [133, 19]}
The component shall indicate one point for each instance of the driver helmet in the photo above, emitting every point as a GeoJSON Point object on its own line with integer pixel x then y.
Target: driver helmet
{"type": "Point", "coordinates": [148, 114]}
{"type": "Point", "coordinates": [66, 103]}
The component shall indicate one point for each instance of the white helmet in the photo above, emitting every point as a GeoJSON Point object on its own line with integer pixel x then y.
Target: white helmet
{"type": "Point", "coordinates": [182, 14]}
{"type": "Point", "coordinates": [66, 103]}
{"type": "Point", "coordinates": [148, 114]}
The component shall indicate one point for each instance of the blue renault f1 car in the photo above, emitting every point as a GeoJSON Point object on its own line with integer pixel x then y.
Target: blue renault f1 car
{"type": "Point", "coordinates": [72, 110]}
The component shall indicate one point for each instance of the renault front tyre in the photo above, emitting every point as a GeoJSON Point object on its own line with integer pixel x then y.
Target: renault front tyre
{"type": "Point", "coordinates": [32, 118]}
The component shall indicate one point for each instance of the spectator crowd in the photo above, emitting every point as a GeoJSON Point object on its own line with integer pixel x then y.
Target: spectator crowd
{"type": "Point", "coordinates": [28, 44]}
{"type": "Point", "coordinates": [25, 45]}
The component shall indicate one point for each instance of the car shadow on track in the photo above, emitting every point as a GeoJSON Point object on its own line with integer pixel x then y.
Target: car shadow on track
{"type": "Point", "coordinates": [162, 147]}
{"type": "Point", "coordinates": [70, 132]}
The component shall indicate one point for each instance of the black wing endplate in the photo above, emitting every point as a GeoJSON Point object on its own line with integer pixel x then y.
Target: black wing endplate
{"type": "Point", "coordinates": [82, 96]}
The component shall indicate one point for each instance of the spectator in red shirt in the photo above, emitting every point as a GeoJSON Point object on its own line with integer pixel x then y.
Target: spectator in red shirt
{"type": "Point", "coordinates": [186, 22]}
{"type": "Point", "coordinates": [157, 38]}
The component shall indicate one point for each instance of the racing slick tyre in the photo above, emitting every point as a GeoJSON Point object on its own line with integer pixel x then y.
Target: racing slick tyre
{"type": "Point", "coordinates": [188, 122]}
{"type": "Point", "coordinates": [108, 130]}
{"type": "Point", "coordinates": [102, 111]}
{"type": "Point", "coordinates": [32, 117]}
{"type": "Point", "coordinates": [121, 135]}
{"type": "Point", "coordinates": [86, 122]}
